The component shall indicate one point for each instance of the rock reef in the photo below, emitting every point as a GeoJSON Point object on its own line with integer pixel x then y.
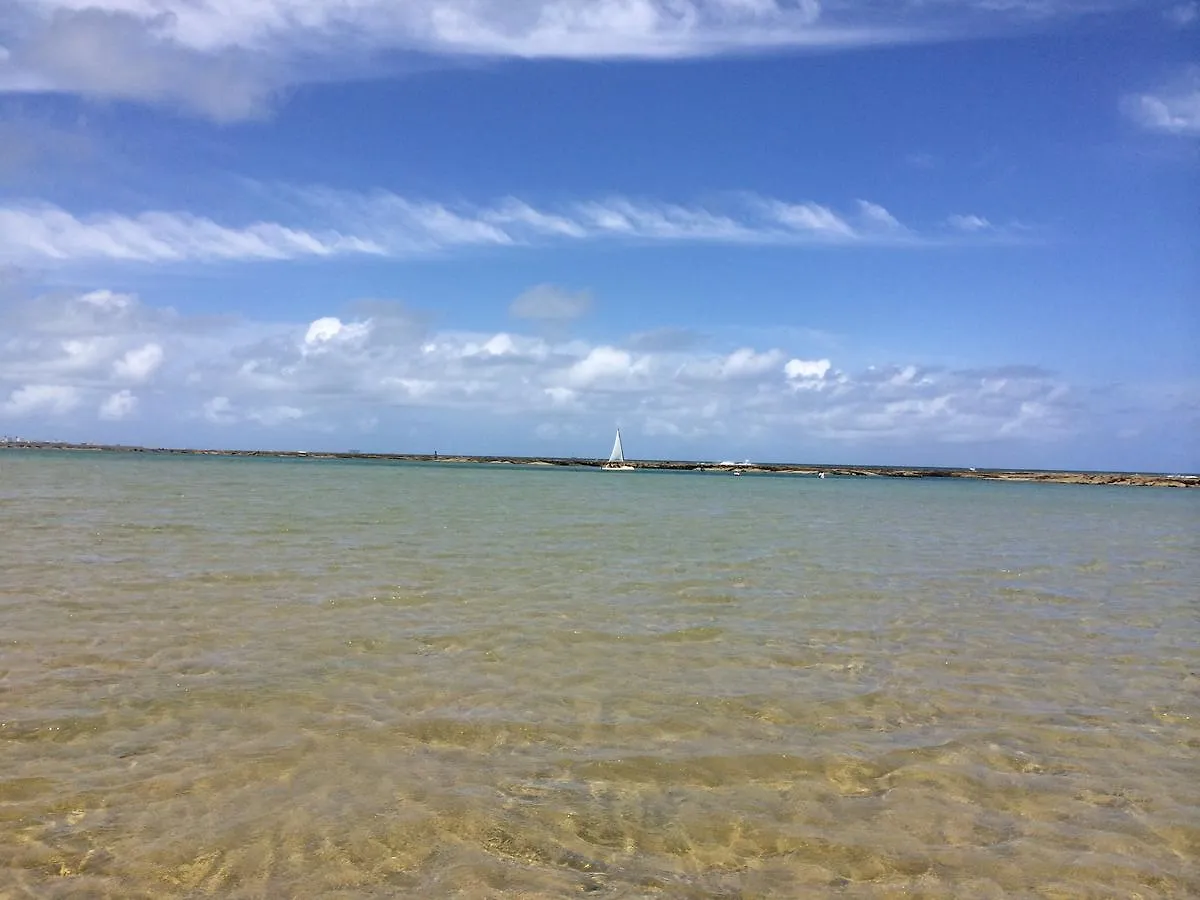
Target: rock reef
{"type": "Point", "coordinates": [1109, 478]}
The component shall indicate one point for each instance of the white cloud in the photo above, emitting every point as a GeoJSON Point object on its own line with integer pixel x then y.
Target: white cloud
{"type": "Point", "coordinates": [605, 367]}
{"type": "Point", "coordinates": [224, 412]}
{"type": "Point", "coordinates": [804, 369]}
{"type": "Point", "coordinates": [89, 343]}
{"type": "Point", "coordinates": [563, 397]}
{"type": "Point", "coordinates": [40, 399]}
{"type": "Point", "coordinates": [227, 59]}
{"type": "Point", "coordinates": [83, 354]}
{"type": "Point", "coordinates": [533, 28]}
{"type": "Point", "coordinates": [218, 411]}
{"type": "Point", "coordinates": [743, 363]}
{"type": "Point", "coordinates": [139, 364]}
{"type": "Point", "coordinates": [329, 332]}
{"type": "Point", "coordinates": [125, 51]}
{"type": "Point", "coordinates": [374, 363]}
{"type": "Point", "coordinates": [968, 223]}
{"type": "Point", "coordinates": [383, 224]}
{"type": "Point", "coordinates": [875, 216]}
{"type": "Point", "coordinates": [118, 406]}
{"type": "Point", "coordinates": [46, 232]}
{"type": "Point", "coordinates": [100, 315]}
{"type": "Point", "coordinates": [812, 218]}
{"type": "Point", "coordinates": [1172, 108]}
{"type": "Point", "coordinates": [501, 346]}
{"type": "Point", "coordinates": [619, 217]}
{"type": "Point", "coordinates": [107, 301]}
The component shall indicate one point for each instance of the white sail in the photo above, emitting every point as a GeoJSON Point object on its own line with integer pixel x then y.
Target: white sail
{"type": "Point", "coordinates": [618, 452]}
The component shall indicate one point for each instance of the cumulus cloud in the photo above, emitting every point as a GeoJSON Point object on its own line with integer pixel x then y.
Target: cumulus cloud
{"type": "Point", "coordinates": [1172, 108]}
{"type": "Point", "coordinates": [337, 224]}
{"type": "Point", "coordinates": [40, 399]}
{"type": "Point", "coordinates": [605, 368]}
{"type": "Point", "coordinates": [218, 411]}
{"type": "Point", "coordinates": [807, 370]}
{"type": "Point", "coordinates": [227, 59]}
{"type": "Point", "coordinates": [742, 363]}
{"type": "Point", "coordinates": [139, 364]}
{"type": "Point", "coordinates": [68, 358]}
{"type": "Point", "coordinates": [118, 406]}
{"type": "Point", "coordinates": [329, 332]}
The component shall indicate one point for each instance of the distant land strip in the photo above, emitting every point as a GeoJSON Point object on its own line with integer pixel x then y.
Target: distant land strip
{"type": "Point", "coordinates": [1118, 478]}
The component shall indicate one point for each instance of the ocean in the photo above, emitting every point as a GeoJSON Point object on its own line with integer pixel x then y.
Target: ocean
{"type": "Point", "coordinates": [258, 677]}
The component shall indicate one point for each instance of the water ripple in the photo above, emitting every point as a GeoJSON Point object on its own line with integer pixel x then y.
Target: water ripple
{"type": "Point", "coordinates": [255, 678]}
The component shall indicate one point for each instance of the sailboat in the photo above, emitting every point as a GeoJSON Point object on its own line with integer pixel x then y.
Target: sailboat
{"type": "Point", "coordinates": [616, 459]}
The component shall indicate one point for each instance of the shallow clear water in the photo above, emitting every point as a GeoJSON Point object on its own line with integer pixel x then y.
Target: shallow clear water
{"type": "Point", "coordinates": [265, 678]}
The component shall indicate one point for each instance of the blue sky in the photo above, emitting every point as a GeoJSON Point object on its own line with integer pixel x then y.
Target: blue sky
{"type": "Point", "coordinates": [949, 232]}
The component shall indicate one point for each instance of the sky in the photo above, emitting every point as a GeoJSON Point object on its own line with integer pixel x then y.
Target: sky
{"type": "Point", "coordinates": [909, 232]}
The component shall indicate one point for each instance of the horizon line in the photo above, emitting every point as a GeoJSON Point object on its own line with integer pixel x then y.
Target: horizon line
{"type": "Point", "coordinates": [1143, 478]}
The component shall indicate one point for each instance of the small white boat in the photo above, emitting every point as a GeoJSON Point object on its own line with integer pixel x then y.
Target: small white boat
{"type": "Point", "coordinates": [616, 459]}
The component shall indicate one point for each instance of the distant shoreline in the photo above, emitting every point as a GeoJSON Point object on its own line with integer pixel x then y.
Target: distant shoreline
{"type": "Point", "coordinates": [797, 469]}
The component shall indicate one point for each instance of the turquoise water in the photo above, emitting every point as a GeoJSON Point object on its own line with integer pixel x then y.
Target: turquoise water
{"type": "Point", "coordinates": [291, 678]}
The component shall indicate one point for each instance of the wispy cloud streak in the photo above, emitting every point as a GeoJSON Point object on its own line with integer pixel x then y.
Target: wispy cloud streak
{"type": "Point", "coordinates": [338, 224]}
{"type": "Point", "coordinates": [30, 233]}
{"type": "Point", "coordinates": [225, 59]}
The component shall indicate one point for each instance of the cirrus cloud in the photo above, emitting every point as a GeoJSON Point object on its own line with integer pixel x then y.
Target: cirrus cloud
{"type": "Point", "coordinates": [328, 224]}
{"type": "Point", "coordinates": [230, 59]}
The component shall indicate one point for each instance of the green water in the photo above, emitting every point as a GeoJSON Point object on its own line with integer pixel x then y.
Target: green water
{"type": "Point", "coordinates": [262, 678]}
